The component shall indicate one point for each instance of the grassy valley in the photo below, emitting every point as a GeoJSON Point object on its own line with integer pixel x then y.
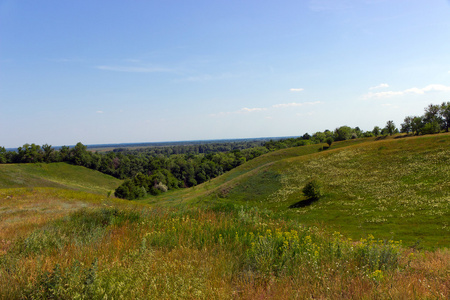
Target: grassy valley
{"type": "Point", "coordinates": [247, 234]}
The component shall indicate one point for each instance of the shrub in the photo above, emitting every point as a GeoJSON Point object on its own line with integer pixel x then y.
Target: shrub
{"type": "Point", "coordinates": [313, 189]}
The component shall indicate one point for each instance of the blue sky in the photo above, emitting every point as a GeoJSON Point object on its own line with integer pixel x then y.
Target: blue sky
{"type": "Point", "coordinates": [146, 71]}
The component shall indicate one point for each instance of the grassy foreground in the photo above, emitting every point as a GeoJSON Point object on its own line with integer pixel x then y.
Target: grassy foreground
{"type": "Point", "coordinates": [82, 246]}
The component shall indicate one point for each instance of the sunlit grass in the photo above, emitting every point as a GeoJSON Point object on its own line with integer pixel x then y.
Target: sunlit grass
{"type": "Point", "coordinates": [137, 253]}
{"type": "Point", "coordinates": [60, 175]}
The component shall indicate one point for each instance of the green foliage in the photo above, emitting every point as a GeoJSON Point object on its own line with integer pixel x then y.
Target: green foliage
{"type": "Point", "coordinates": [313, 189]}
{"type": "Point", "coordinates": [445, 115]}
{"type": "Point", "coordinates": [431, 128]}
{"type": "Point", "coordinates": [377, 255]}
{"type": "Point", "coordinates": [77, 282]}
{"type": "Point", "coordinates": [390, 127]}
{"type": "Point", "coordinates": [81, 227]}
{"type": "Point", "coordinates": [376, 131]}
{"type": "Point", "coordinates": [343, 133]}
{"type": "Point", "coordinates": [329, 141]}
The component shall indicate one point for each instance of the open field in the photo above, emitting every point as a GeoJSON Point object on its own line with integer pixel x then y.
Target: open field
{"type": "Point", "coordinates": [62, 237]}
{"type": "Point", "coordinates": [397, 188]}
{"type": "Point", "coordinates": [60, 175]}
{"type": "Point", "coordinates": [79, 245]}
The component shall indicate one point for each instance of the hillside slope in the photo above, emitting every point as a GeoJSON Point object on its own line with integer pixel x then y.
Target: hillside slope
{"type": "Point", "coordinates": [59, 175]}
{"type": "Point", "coordinates": [395, 188]}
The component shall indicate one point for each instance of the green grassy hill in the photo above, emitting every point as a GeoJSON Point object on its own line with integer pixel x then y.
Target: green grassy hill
{"type": "Point", "coordinates": [62, 238]}
{"type": "Point", "coordinates": [58, 175]}
{"type": "Point", "coordinates": [396, 188]}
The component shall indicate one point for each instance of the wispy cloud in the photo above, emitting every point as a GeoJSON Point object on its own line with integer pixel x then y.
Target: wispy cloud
{"type": "Point", "coordinates": [99, 111]}
{"type": "Point", "coordinates": [245, 109]}
{"type": "Point", "coordinates": [414, 90]}
{"type": "Point", "coordinates": [134, 69]}
{"type": "Point", "coordinates": [241, 111]}
{"type": "Point", "coordinates": [380, 86]}
{"type": "Point", "coordinates": [294, 104]}
{"type": "Point", "coordinates": [296, 90]}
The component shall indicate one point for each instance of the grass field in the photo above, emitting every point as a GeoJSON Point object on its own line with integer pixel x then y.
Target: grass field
{"type": "Point", "coordinates": [62, 237]}
{"type": "Point", "coordinates": [59, 175]}
{"type": "Point", "coordinates": [396, 188]}
{"type": "Point", "coordinates": [64, 244]}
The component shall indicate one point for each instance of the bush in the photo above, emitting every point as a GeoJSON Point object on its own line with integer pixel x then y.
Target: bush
{"type": "Point", "coordinates": [313, 189]}
{"type": "Point", "coordinates": [329, 141]}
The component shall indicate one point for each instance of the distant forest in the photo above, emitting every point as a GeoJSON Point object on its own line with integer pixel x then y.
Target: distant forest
{"type": "Point", "coordinates": [154, 170]}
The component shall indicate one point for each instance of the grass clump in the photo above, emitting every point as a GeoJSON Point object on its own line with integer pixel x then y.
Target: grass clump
{"type": "Point", "coordinates": [82, 227]}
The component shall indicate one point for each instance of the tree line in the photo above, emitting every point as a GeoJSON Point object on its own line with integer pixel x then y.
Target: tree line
{"type": "Point", "coordinates": [154, 170]}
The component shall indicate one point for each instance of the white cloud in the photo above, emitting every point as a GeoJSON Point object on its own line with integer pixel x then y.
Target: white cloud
{"type": "Point", "coordinates": [242, 110]}
{"type": "Point", "coordinates": [133, 69]}
{"type": "Point", "coordinates": [414, 90]}
{"type": "Point", "coordinates": [293, 104]}
{"type": "Point", "coordinates": [245, 109]}
{"type": "Point", "coordinates": [296, 90]}
{"type": "Point", "coordinates": [99, 111]}
{"type": "Point", "coordinates": [260, 109]}
{"type": "Point", "coordinates": [382, 85]}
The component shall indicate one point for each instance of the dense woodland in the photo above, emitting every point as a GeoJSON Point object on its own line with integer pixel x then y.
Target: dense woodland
{"type": "Point", "coordinates": [154, 170]}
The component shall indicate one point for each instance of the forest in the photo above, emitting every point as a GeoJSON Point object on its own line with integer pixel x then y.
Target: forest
{"type": "Point", "coordinates": [154, 170]}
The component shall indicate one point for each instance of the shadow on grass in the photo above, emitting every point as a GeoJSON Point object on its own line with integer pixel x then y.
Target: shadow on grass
{"type": "Point", "coordinates": [304, 203]}
{"type": "Point", "coordinates": [402, 136]}
{"type": "Point", "coordinates": [381, 137]}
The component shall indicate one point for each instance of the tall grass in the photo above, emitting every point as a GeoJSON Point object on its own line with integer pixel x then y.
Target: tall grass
{"type": "Point", "coordinates": [141, 253]}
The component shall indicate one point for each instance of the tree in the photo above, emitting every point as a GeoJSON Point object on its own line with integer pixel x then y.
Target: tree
{"type": "Point", "coordinates": [416, 125]}
{"type": "Point", "coordinates": [330, 141]}
{"type": "Point", "coordinates": [432, 114]}
{"type": "Point", "coordinates": [376, 131]}
{"type": "Point", "coordinates": [313, 189]}
{"type": "Point", "coordinates": [2, 155]}
{"type": "Point", "coordinates": [319, 137]}
{"type": "Point", "coordinates": [29, 153]}
{"type": "Point", "coordinates": [306, 136]}
{"type": "Point", "coordinates": [444, 112]}
{"type": "Point", "coordinates": [48, 153]}
{"type": "Point", "coordinates": [432, 119]}
{"type": "Point", "coordinates": [406, 126]}
{"type": "Point", "coordinates": [343, 133]}
{"type": "Point", "coordinates": [80, 155]}
{"type": "Point", "coordinates": [390, 127]}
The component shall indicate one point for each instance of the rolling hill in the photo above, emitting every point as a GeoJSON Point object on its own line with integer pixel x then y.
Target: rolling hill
{"type": "Point", "coordinates": [395, 188]}
{"type": "Point", "coordinates": [58, 175]}
{"type": "Point", "coordinates": [237, 237]}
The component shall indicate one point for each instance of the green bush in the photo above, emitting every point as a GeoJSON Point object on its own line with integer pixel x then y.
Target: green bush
{"type": "Point", "coordinates": [313, 189]}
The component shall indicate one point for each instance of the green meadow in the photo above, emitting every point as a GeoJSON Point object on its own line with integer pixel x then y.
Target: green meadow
{"type": "Point", "coordinates": [380, 231]}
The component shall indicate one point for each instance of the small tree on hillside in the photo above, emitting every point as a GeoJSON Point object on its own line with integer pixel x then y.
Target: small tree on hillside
{"type": "Point", "coordinates": [330, 141]}
{"type": "Point", "coordinates": [313, 189]}
{"type": "Point", "coordinates": [390, 127]}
